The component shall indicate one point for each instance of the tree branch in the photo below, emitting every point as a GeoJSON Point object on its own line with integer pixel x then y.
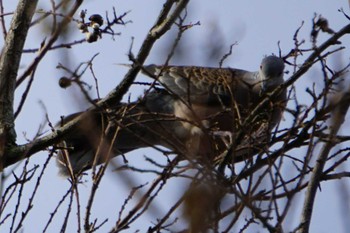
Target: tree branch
{"type": "Point", "coordinates": [317, 172]}
{"type": "Point", "coordinates": [162, 25]}
{"type": "Point", "coordinates": [333, 40]}
{"type": "Point", "coordinates": [9, 64]}
{"type": "Point", "coordinates": [49, 44]}
{"type": "Point", "coordinates": [20, 152]}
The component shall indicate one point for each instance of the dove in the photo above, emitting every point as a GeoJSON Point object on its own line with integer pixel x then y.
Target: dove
{"type": "Point", "coordinates": [198, 113]}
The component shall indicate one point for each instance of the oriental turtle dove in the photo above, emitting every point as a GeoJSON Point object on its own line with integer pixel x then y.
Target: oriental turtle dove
{"type": "Point", "coordinates": [199, 113]}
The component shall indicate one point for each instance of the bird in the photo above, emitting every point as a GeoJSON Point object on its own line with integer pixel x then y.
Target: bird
{"type": "Point", "coordinates": [198, 113]}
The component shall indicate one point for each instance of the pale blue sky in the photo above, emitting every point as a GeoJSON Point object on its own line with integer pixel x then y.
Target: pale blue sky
{"type": "Point", "coordinates": [256, 25]}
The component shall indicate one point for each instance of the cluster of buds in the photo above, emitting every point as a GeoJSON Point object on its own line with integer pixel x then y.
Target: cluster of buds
{"type": "Point", "coordinates": [95, 22]}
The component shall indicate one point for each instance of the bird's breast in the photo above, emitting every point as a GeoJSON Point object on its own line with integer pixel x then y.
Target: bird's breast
{"type": "Point", "coordinates": [195, 116]}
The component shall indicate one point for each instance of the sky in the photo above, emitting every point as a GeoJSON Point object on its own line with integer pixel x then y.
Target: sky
{"type": "Point", "coordinates": [256, 26]}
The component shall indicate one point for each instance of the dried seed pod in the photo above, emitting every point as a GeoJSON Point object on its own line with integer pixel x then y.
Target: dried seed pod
{"type": "Point", "coordinates": [64, 82]}
{"type": "Point", "coordinates": [82, 14]}
{"type": "Point", "coordinates": [91, 37]}
{"type": "Point", "coordinates": [322, 23]}
{"type": "Point", "coordinates": [96, 18]}
{"type": "Point", "coordinates": [82, 27]}
{"type": "Point", "coordinates": [95, 26]}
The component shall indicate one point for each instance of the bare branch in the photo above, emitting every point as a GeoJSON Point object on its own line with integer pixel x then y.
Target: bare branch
{"type": "Point", "coordinates": [9, 64]}
{"type": "Point", "coordinates": [47, 46]}
{"type": "Point", "coordinates": [317, 172]}
{"type": "Point", "coordinates": [18, 153]}
{"type": "Point", "coordinates": [163, 24]}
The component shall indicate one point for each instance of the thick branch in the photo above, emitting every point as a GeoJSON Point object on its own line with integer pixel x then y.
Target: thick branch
{"type": "Point", "coordinates": [18, 153]}
{"type": "Point", "coordinates": [317, 172]}
{"type": "Point", "coordinates": [317, 52]}
{"type": "Point", "coordinates": [9, 64]}
{"type": "Point", "coordinates": [162, 25]}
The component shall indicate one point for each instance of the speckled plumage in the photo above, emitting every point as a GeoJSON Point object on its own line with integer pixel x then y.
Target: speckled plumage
{"type": "Point", "coordinates": [199, 114]}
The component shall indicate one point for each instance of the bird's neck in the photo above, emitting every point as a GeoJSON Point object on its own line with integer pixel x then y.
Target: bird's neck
{"type": "Point", "coordinates": [270, 83]}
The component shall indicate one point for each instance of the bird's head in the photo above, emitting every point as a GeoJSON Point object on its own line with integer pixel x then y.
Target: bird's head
{"type": "Point", "coordinates": [271, 72]}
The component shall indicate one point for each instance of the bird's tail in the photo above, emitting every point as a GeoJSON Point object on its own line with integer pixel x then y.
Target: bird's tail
{"type": "Point", "coordinates": [101, 135]}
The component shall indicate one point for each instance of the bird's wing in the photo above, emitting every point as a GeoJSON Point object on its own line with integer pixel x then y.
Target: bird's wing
{"type": "Point", "coordinates": [204, 84]}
